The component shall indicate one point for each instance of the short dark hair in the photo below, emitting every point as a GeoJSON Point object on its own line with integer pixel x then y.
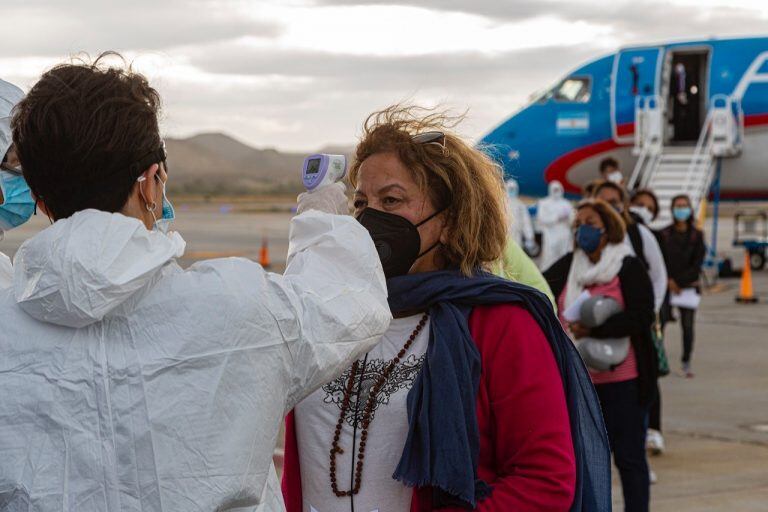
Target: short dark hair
{"type": "Point", "coordinates": [615, 229]}
{"type": "Point", "coordinates": [81, 133]}
{"type": "Point", "coordinates": [649, 193]}
{"type": "Point", "coordinates": [605, 163]}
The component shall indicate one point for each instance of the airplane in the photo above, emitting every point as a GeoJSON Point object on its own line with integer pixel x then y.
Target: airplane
{"type": "Point", "coordinates": [686, 116]}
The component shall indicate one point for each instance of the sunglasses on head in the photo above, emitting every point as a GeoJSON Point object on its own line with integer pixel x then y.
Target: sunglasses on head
{"type": "Point", "coordinates": [433, 137]}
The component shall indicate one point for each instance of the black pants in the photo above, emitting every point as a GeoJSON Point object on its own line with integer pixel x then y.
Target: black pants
{"type": "Point", "coordinates": [627, 424]}
{"type": "Point", "coordinates": [654, 418]}
{"type": "Point", "coordinates": [686, 323]}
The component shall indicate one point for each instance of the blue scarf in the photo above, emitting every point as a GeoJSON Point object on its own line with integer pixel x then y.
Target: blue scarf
{"type": "Point", "coordinates": [442, 446]}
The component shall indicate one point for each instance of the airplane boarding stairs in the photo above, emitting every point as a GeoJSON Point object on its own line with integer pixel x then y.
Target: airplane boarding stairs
{"type": "Point", "coordinates": [678, 171]}
{"type": "Point", "coordinates": [672, 170]}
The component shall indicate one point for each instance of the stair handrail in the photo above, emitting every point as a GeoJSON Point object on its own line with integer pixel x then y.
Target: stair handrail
{"type": "Point", "coordinates": [701, 160]}
{"type": "Point", "coordinates": [739, 123]}
{"type": "Point", "coordinates": [700, 152]}
{"type": "Point", "coordinates": [636, 172]}
{"type": "Point", "coordinates": [642, 110]}
{"type": "Point", "coordinates": [639, 123]}
{"type": "Point", "coordinates": [639, 141]}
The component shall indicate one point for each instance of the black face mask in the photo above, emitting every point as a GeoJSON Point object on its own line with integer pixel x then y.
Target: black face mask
{"type": "Point", "coordinates": [396, 239]}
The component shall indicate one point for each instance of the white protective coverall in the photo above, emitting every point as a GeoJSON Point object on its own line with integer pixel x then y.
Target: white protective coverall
{"type": "Point", "coordinates": [130, 384]}
{"type": "Point", "coordinates": [553, 217]}
{"type": "Point", "coordinates": [657, 269]}
{"type": "Point", "coordinates": [520, 225]}
{"type": "Point", "coordinates": [10, 95]}
{"type": "Point", "coordinates": [6, 271]}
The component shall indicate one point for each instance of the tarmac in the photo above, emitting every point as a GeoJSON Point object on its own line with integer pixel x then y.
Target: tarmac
{"type": "Point", "coordinates": [715, 425]}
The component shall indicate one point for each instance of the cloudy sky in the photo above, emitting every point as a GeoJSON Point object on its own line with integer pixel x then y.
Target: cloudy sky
{"type": "Point", "coordinates": [299, 74]}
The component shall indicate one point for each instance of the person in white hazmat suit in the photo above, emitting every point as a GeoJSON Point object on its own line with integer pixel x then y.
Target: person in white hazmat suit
{"type": "Point", "coordinates": [129, 383]}
{"type": "Point", "coordinates": [554, 217]}
{"type": "Point", "coordinates": [520, 226]}
{"type": "Point", "coordinates": [16, 203]}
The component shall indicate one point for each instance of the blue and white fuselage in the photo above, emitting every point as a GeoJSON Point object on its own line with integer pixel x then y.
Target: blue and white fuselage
{"type": "Point", "coordinates": [590, 114]}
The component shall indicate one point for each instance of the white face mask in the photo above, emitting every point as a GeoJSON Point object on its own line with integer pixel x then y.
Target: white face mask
{"type": "Point", "coordinates": [642, 212]}
{"type": "Point", "coordinates": [616, 177]}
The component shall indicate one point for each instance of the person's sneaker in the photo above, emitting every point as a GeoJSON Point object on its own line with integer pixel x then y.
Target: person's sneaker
{"type": "Point", "coordinates": [652, 476]}
{"type": "Point", "coordinates": [686, 371]}
{"type": "Point", "coordinates": [654, 442]}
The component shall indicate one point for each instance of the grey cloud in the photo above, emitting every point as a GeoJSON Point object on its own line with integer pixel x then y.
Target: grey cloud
{"type": "Point", "coordinates": [656, 22]}
{"type": "Point", "coordinates": [633, 21]}
{"type": "Point", "coordinates": [508, 10]}
{"type": "Point", "coordinates": [470, 71]}
{"type": "Point", "coordinates": [53, 28]}
{"type": "Point", "coordinates": [340, 90]}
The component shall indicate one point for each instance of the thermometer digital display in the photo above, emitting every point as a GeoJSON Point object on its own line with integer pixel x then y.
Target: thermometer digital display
{"type": "Point", "coordinates": [313, 166]}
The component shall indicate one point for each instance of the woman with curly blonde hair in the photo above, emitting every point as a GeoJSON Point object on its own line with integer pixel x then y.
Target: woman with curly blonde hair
{"type": "Point", "coordinates": [475, 398]}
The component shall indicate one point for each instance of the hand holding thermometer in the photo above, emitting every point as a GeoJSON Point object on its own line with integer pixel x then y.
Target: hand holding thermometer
{"type": "Point", "coordinates": [323, 169]}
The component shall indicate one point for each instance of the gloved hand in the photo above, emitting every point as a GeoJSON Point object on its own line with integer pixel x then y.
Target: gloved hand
{"type": "Point", "coordinates": [328, 199]}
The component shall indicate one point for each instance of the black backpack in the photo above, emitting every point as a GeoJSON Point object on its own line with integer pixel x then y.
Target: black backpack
{"type": "Point", "coordinates": [636, 239]}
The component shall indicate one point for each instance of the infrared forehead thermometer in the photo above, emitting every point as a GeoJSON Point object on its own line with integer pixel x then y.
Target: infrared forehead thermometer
{"type": "Point", "coordinates": [323, 169]}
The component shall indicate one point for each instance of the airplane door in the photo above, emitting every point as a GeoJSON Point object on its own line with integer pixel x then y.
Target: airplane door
{"type": "Point", "coordinates": [635, 74]}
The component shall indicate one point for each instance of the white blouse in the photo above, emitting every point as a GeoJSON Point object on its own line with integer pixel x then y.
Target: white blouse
{"type": "Point", "coordinates": [317, 415]}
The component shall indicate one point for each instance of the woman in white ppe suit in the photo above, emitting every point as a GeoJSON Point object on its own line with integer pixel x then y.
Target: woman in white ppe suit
{"type": "Point", "coordinates": [16, 203]}
{"type": "Point", "coordinates": [553, 217]}
{"type": "Point", "coordinates": [128, 383]}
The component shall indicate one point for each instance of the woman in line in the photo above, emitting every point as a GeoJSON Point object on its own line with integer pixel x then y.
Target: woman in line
{"type": "Point", "coordinates": [475, 398]}
{"type": "Point", "coordinates": [645, 209]}
{"type": "Point", "coordinates": [684, 251]}
{"type": "Point", "coordinates": [645, 245]}
{"type": "Point", "coordinates": [602, 264]}
{"type": "Point", "coordinates": [640, 238]}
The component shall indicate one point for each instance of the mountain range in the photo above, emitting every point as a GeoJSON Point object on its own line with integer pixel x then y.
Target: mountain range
{"type": "Point", "coordinates": [218, 164]}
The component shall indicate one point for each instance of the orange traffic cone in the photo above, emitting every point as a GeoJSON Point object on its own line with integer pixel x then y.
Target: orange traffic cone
{"type": "Point", "coordinates": [746, 294]}
{"type": "Point", "coordinates": [264, 253]}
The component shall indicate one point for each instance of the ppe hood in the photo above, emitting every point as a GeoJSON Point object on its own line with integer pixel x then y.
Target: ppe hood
{"type": "Point", "coordinates": [77, 271]}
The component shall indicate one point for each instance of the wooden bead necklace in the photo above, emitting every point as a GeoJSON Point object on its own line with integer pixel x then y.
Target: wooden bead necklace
{"type": "Point", "coordinates": [367, 413]}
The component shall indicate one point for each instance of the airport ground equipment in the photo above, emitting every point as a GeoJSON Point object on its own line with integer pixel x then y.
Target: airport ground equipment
{"type": "Point", "coordinates": [751, 233]}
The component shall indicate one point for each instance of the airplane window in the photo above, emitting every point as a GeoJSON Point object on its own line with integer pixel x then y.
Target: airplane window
{"type": "Point", "coordinates": [575, 90]}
